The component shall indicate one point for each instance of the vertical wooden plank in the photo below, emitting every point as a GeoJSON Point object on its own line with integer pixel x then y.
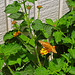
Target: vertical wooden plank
{"type": "Point", "coordinates": [60, 8]}
{"type": "Point", "coordinates": [8, 20]}
{"type": "Point", "coordinates": [35, 9]}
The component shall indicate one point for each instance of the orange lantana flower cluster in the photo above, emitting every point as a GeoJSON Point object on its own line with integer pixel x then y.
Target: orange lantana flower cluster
{"type": "Point", "coordinates": [44, 51]}
{"type": "Point", "coordinates": [39, 6]}
{"type": "Point", "coordinates": [17, 33]}
{"type": "Point", "coordinates": [28, 7]}
{"type": "Point", "coordinates": [14, 22]}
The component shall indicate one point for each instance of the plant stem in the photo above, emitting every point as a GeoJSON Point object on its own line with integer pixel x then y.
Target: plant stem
{"type": "Point", "coordinates": [38, 13]}
{"type": "Point", "coordinates": [29, 14]}
{"type": "Point", "coordinates": [10, 70]}
{"type": "Point", "coordinates": [25, 8]}
{"type": "Point", "coordinates": [37, 56]}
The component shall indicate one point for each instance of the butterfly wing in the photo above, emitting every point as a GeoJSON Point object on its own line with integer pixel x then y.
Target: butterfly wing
{"type": "Point", "coordinates": [48, 46]}
{"type": "Point", "coordinates": [45, 44]}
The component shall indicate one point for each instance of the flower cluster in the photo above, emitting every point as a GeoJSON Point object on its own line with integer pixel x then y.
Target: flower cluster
{"type": "Point", "coordinates": [39, 6]}
{"type": "Point", "coordinates": [28, 7]}
{"type": "Point", "coordinates": [44, 51]}
{"type": "Point", "coordinates": [14, 22]}
{"type": "Point", "coordinates": [17, 33]}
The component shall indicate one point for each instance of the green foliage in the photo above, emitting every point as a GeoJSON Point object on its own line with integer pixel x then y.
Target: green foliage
{"type": "Point", "coordinates": [17, 16]}
{"type": "Point", "coordinates": [72, 70]}
{"type": "Point", "coordinates": [49, 21]}
{"type": "Point", "coordinates": [10, 49]}
{"type": "Point", "coordinates": [21, 51]}
{"type": "Point", "coordinates": [32, 1]}
{"type": "Point", "coordinates": [71, 3]}
{"type": "Point", "coordinates": [1, 63]}
{"type": "Point", "coordinates": [46, 29]}
{"type": "Point", "coordinates": [72, 52]}
{"type": "Point", "coordinates": [41, 71]}
{"type": "Point", "coordinates": [8, 35]}
{"type": "Point", "coordinates": [58, 36]}
{"type": "Point", "coordinates": [13, 8]}
{"type": "Point", "coordinates": [73, 34]}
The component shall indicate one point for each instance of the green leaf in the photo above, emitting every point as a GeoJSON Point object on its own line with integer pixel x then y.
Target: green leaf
{"type": "Point", "coordinates": [17, 58]}
{"type": "Point", "coordinates": [32, 19]}
{"type": "Point", "coordinates": [8, 35]}
{"type": "Point", "coordinates": [66, 56]}
{"type": "Point", "coordinates": [17, 73]}
{"type": "Point", "coordinates": [72, 70]}
{"type": "Point", "coordinates": [56, 67]}
{"type": "Point", "coordinates": [31, 57]}
{"type": "Point", "coordinates": [73, 34]}
{"type": "Point", "coordinates": [41, 71]}
{"type": "Point", "coordinates": [1, 73]}
{"type": "Point", "coordinates": [17, 16]}
{"type": "Point", "coordinates": [29, 70]}
{"type": "Point", "coordinates": [32, 42]}
{"type": "Point", "coordinates": [32, 1]}
{"type": "Point", "coordinates": [38, 25]}
{"type": "Point", "coordinates": [47, 30]}
{"type": "Point", "coordinates": [72, 52]}
{"type": "Point", "coordinates": [49, 21]}
{"type": "Point", "coordinates": [26, 60]}
{"type": "Point", "coordinates": [19, 61]}
{"type": "Point", "coordinates": [61, 73]}
{"type": "Point", "coordinates": [24, 38]}
{"type": "Point", "coordinates": [11, 48]}
{"type": "Point", "coordinates": [1, 64]}
{"type": "Point", "coordinates": [12, 62]}
{"type": "Point", "coordinates": [29, 48]}
{"type": "Point", "coordinates": [58, 36]}
{"type": "Point", "coordinates": [67, 40]}
{"type": "Point", "coordinates": [13, 8]}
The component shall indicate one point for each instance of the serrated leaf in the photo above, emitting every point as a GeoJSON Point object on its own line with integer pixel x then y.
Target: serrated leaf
{"type": "Point", "coordinates": [66, 56]}
{"type": "Point", "coordinates": [29, 48]}
{"type": "Point", "coordinates": [31, 57]}
{"type": "Point", "coordinates": [67, 40]}
{"type": "Point", "coordinates": [58, 36]}
{"type": "Point", "coordinates": [17, 16]}
{"type": "Point", "coordinates": [29, 70]}
{"type": "Point", "coordinates": [32, 1]}
{"type": "Point", "coordinates": [8, 35]}
{"type": "Point", "coordinates": [38, 25]}
{"type": "Point", "coordinates": [1, 64]}
{"type": "Point", "coordinates": [72, 52]}
{"type": "Point", "coordinates": [32, 42]}
{"type": "Point", "coordinates": [17, 73]}
{"type": "Point", "coordinates": [73, 34]}
{"type": "Point", "coordinates": [17, 58]}
{"type": "Point", "coordinates": [24, 38]}
{"type": "Point", "coordinates": [19, 61]}
{"type": "Point", "coordinates": [55, 67]}
{"type": "Point", "coordinates": [12, 62]}
{"type": "Point", "coordinates": [72, 70]}
{"type": "Point", "coordinates": [41, 71]}
{"type": "Point", "coordinates": [13, 8]}
{"type": "Point", "coordinates": [26, 60]}
{"type": "Point", "coordinates": [11, 48]}
{"type": "Point", "coordinates": [32, 19]}
{"type": "Point", "coordinates": [49, 21]}
{"type": "Point", "coordinates": [47, 30]}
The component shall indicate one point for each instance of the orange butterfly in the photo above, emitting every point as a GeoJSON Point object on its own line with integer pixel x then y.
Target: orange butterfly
{"type": "Point", "coordinates": [48, 47]}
